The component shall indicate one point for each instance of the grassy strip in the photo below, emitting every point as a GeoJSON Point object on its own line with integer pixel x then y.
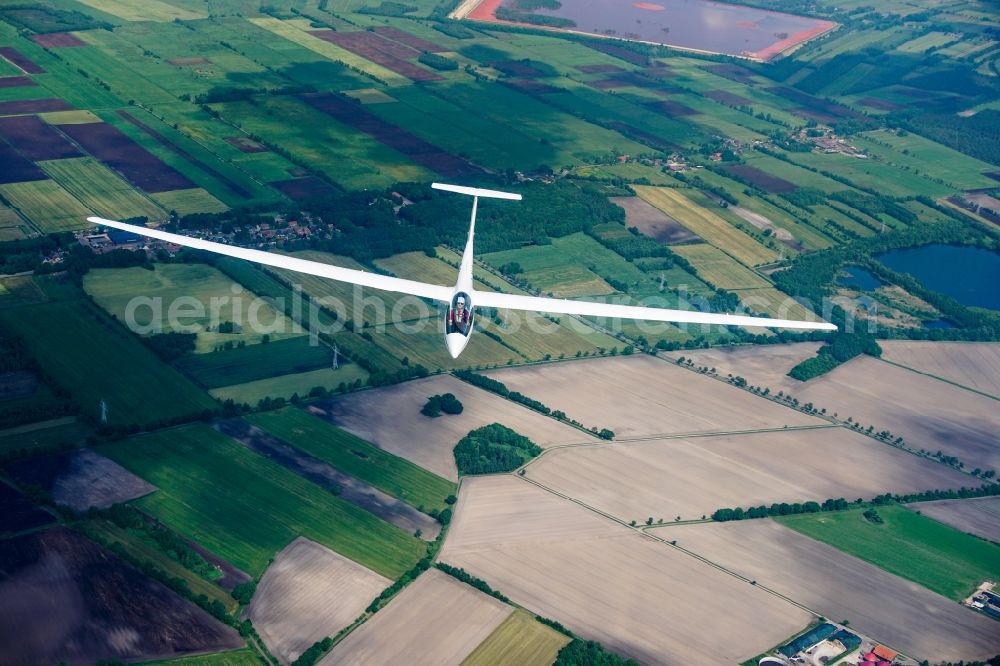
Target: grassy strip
{"type": "Point", "coordinates": [352, 455]}
{"type": "Point", "coordinates": [246, 508]}
{"type": "Point", "coordinates": [903, 542]}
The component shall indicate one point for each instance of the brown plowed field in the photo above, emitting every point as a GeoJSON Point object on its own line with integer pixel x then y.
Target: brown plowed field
{"type": "Point", "coordinates": [606, 582]}
{"type": "Point", "coordinates": [435, 621]}
{"type": "Point", "coordinates": [58, 40]}
{"type": "Point", "coordinates": [370, 46]}
{"type": "Point", "coordinates": [16, 82]}
{"type": "Point", "coordinates": [22, 106]}
{"type": "Point", "coordinates": [641, 396]}
{"type": "Point", "coordinates": [309, 592]}
{"type": "Point", "coordinates": [413, 41]}
{"type": "Point", "coordinates": [36, 139]}
{"type": "Point", "coordinates": [979, 516]}
{"type": "Point", "coordinates": [19, 60]}
{"type": "Point", "coordinates": [972, 364]}
{"type": "Point", "coordinates": [904, 615]}
{"type": "Point", "coordinates": [16, 169]}
{"type": "Point", "coordinates": [761, 179]}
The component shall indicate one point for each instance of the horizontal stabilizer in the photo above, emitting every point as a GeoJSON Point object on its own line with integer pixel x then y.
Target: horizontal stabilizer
{"type": "Point", "coordinates": [476, 192]}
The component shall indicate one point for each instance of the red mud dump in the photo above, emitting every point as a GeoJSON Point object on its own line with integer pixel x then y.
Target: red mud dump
{"type": "Point", "coordinates": [649, 6]}
{"type": "Point", "coordinates": [792, 40]}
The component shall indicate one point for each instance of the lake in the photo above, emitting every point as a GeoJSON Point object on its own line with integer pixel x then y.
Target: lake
{"type": "Point", "coordinates": [970, 275]}
{"type": "Point", "coordinates": [701, 25]}
{"type": "Point", "coordinates": [858, 278]}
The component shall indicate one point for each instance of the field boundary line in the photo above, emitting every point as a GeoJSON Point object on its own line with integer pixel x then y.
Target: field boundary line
{"type": "Point", "coordinates": [946, 381]}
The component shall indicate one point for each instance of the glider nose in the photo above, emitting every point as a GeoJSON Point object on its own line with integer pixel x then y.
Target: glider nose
{"type": "Point", "coordinates": [456, 343]}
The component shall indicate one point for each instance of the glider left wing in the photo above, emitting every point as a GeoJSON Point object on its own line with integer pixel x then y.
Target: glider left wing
{"type": "Point", "coordinates": [364, 278]}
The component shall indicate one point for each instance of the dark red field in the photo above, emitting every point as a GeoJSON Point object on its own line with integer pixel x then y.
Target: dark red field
{"type": "Point", "coordinates": [761, 179]}
{"type": "Point", "coordinates": [58, 40]}
{"type": "Point", "coordinates": [391, 55]}
{"type": "Point", "coordinates": [517, 68]}
{"type": "Point", "coordinates": [245, 145]}
{"type": "Point", "coordinates": [726, 97]}
{"type": "Point", "coordinates": [619, 52]}
{"type": "Point", "coordinates": [643, 136]}
{"type": "Point", "coordinates": [816, 105]}
{"type": "Point", "coordinates": [18, 513]}
{"type": "Point", "coordinates": [531, 86]}
{"type": "Point", "coordinates": [35, 139]}
{"type": "Point", "coordinates": [600, 69]}
{"type": "Point", "coordinates": [174, 148]}
{"type": "Point", "coordinates": [300, 189]}
{"type": "Point", "coordinates": [402, 37]}
{"type": "Point", "coordinates": [419, 151]}
{"type": "Point", "coordinates": [18, 107]}
{"type": "Point", "coordinates": [882, 104]}
{"type": "Point", "coordinates": [731, 72]}
{"type": "Point", "coordinates": [16, 169]}
{"type": "Point", "coordinates": [16, 82]}
{"type": "Point", "coordinates": [670, 109]}
{"type": "Point", "coordinates": [83, 604]}
{"type": "Point", "coordinates": [18, 59]}
{"type": "Point", "coordinates": [139, 166]}
{"type": "Point", "coordinates": [187, 62]}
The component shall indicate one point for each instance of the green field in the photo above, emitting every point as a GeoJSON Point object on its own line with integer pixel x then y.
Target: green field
{"type": "Point", "coordinates": [47, 205]}
{"type": "Point", "coordinates": [909, 545]}
{"type": "Point", "coordinates": [352, 455]}
{"type": "Point", "coordinates": [185, 202]}
{"type": "Point", "coordinates": [201, 296]}
{"type": "Point", "coordinates": [57, 432]}
{"type": "Point", "coordinates": [285, 386]}
{"type": "Point", "coordinates": [241, 657]}
{"type": "Point", "coordinates": [552, 271]}
{"type": "Point", "coordinates": [520, 639]}
{"type": "Point", "coordinates": [101, 190]}
{"type": "Point", "coordinates": [245, 508]}
{"type": "Point", "coordinates": [253, 362]}
{"type": "Point", "coordinates": [96, 359]}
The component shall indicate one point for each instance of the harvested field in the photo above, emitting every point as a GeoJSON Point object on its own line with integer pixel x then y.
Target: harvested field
{"type": "Point", "coordinates": [761, 179]}
{"type": "Point", "coordinates": [726, 97]}
{"type": "Point", "coordinates": [301, 189]}
{"type": "Point", "coordinates": [75, 117]}
{"type": "Point", "coordinates": [138, 165]}
{"type": "Point", "coordinates": [35, 139]}
{"type": "Point", "coordinates": [81, 479]}
{"type": "Point", "coordinates": [692, 477]}
{"type": "Point", "coordinates": [390, 419]}
{"type": "Point", "coordinates": [670, 109]}
{"type": "Point", "coordinates": [18, 513]}
{"type": "Point", "coordinates": [19, 60]}
{"type": "Point", "coordinates": [285, 386]}
{"type": "Point", "coordinates": [719, 268]}
{"type": "Point", "coordinates": [901, 614]}
{"type": "Point", "coordinates": [185, 202]}
{"type": "Point", "coordinates": [101, 190]}
{"type": "Point", "coordinates": [309, 592]}
{"type": "Point", "coordinates": [521, 640]}
{"type": "Point", "coordinates": [761, 365]}
{"type": "Point", "coordinates": [416, 149]}
{"type": "Point", "coordinates": [979, 516]}
{"type": "Point", "coordinates": [17, 169]}
{"type": "Point", "coordinates": [370, 46]}
{"type": "Point", "coordinates": [928, 413]}
{"type": "Point", "coordinates": [370, 96]}
{"type": "Point", "coordinates": [57, 40]}
{"type": "Point", "coordinates": [975, 365]}
{"type": "Point", "coordinates": [653, 222]}
{"type": "Point", "coordinates": [148, 10]}
{"type": "Point", "coordinates": [83, 604]}
{"type": "Point", "coordinates": [347, 488]}
{"type": "Point", "coordinates": [708, 225]}
{"type": "Point", "coordinates": [16, 82]}
{"type": "Point", "coordinates": [47, 205]}
{"type": "Point", "coordinates": [606, 582]}
{"type": "Point", "coordinates": [641, 396]}
{"type": "Point", "coordinates": [412, 41]}
{"type": "Point", "coordinates": [22, 106]}
{"type": "Point", "coordinates": [436, 605]}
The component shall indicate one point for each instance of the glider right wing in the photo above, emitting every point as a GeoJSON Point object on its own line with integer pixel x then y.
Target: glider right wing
{"type": "Point", "coordinates": [364, 278]}
{"type": "Point", "coordinates": [616, 311]}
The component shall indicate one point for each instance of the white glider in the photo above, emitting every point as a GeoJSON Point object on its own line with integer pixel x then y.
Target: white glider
{"type": "Point", "coordinates": [462, 298]}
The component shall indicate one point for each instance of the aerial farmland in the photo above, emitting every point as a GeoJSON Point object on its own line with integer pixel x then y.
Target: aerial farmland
{"type": "Point", "coordinates": [210, 461]}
